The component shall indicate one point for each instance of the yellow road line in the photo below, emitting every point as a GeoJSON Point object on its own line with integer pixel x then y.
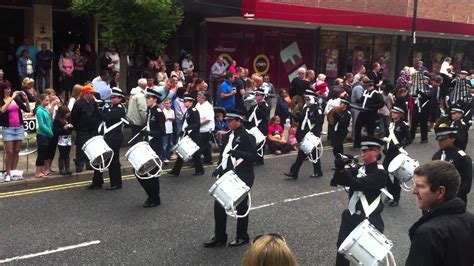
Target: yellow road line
{"type": "Point", "coordinates": [126, 177]}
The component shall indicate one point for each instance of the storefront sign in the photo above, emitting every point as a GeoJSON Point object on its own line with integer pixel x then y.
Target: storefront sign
{"type": "Point", "coordinates": [261, 64]}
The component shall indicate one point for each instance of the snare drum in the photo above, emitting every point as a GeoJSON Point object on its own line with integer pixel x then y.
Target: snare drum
{"type": "Point", "coordinates": [309, 143]}
{"type": "Point", "coordinates": [98, 152]}
{"type": "Point", "coordinates": [403, 167]}
{"type": "Point", "coordinates": [365, 245]}
{"type": "Point", "coordinates": [144, 160]}
{"type": "Point", "coordinates": [229, 190]}
{"type": "Point", "coordinates": [259, 137]}
{"type": "Point", "coordinates": [185, 148]}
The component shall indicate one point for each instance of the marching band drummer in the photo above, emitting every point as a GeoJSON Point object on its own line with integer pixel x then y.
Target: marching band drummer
{"type": "Point", "coordinates": [112, 116]}
{"type": "Point", "coordinates": [238, 145]}
{"type": "Point", "coordinates": [312, 120]}
{"type": "Point", "coordinates": [457, 121]}
{"type": "Point", "coordinates": [365, 184]}
{"type": "Point", "coordinates": [191, 126]}
{"type": "Point", "coordinates": [153, 132]}
{"type": "Point", "coordinates": [399, 137]}
{"type": "Point", "coordinates": [258, 116]}
{"type": "Point", "coordinates": [448, 152]}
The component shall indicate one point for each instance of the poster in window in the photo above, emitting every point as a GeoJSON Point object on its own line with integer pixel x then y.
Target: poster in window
{"type": "Point", "coordinates": [384, 61]}
{"type": "Point", "coordinates": [332, 62]}
{"type": "Point", "coordinates": [357, 60]}
{"type": "Point", "coordinates": [457, 62]}
{"type": "Point", "coordinates": [437, 62]}
{"type": "Point", "coordinates": [417, 56]}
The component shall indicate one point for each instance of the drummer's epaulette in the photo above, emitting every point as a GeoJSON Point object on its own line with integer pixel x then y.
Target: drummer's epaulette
{"type": "Point", "coordinates": [380, 167]}
{"type": "Point", "coordinates": [462, 153]}
{"type": "Point", "coordinates": [159, 109]}
{"type": "Point", "coordinates": [406, 123]}
{"type": "Point", "coordinates": [194, 109]}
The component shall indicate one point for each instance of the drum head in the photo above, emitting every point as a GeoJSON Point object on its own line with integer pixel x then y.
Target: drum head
{"type": "Point", "coordinates": [396, 163]}
{"type": "Point", "coordinates": [98, 161]}
{"type": "Point", "coordinates": [147, 167]}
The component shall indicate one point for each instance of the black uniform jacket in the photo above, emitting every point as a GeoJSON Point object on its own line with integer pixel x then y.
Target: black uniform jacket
{"type": "Point", "coordinates": [343, 120]}
{"type": "Point", "coordinates": [262, 113]}
{"type": "Point", "coordinates": [247, 150]}
{"type": "Point", "coordinates": [157, 122]}
{"type": "Point", "coordinates": [315, 117]}
{"type": "Point", "coordinates": [427, 99]}
{"type": "Point", "coordinates": [112, 115]}
{"type": "Point", "coordinates": [443, 236]}
{"type": "Point", "coordinates": [374, 103]}
{"type": "Point", "coordinates": [402, 134]}
{"type": "Point", "coordinates": [463, 163]}
{"type": "Point", "coordinates": [86, 117]}
{"type": "Point", "coordinates": [194, 123]}
{"type": "Point", "coordinates": [370, 184]}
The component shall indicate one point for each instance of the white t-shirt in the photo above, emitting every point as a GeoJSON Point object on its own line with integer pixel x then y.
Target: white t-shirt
{"type": "Point", "coordinates": [169, 114]}
{"type": "Point", "coordinates": [206, 112]}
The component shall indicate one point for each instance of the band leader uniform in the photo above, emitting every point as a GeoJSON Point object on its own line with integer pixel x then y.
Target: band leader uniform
{"type": "Point", "coordinates": [370, 101]}
{"type": "Point", "coordinates": [364, 185]}
{"type": "Point", "coordinates": [461, 161]}
{"type": "Point", "coordinates": [398, 138]}
{"type": "Point", "coordinates": [238, 145]}
{"type": "Point", "coordinates": [258, 116]}
{"type": "Point", "coordinates": [462, 127]}
{"type": "Point", "coordinates": [311, 119]}
{"type": "Point", "coordinates": [423, 97]}
{"type": "Point", "coordinates": [459, 88]}
{"type": "Point", "coordinates": [153, 133]}
{"type": "Point", "coordinates": [342, 119]}
{"type": "Point", "coordinates": [111, 127]}
{"type": "Point", "coordinates": [191, 126]}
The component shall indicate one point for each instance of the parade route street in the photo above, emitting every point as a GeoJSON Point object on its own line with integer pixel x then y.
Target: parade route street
{"type": "Point", "coordinates": [79, 226]}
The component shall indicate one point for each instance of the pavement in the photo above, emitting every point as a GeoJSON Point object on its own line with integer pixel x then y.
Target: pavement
{"type": "Point", "coordinates": [67, 224]}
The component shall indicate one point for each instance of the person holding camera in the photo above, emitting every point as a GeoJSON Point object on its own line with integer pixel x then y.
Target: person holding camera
{"type": "Point", "coordinates": [365, 184]}
{"type": "Point", "coordinates": [11, 121]}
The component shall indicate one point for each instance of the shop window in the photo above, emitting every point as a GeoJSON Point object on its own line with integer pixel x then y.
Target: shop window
{"type": "Point", "coordinates": [383, 53]}
{"type": "Point", "coordinates": [359, 47]}
{"type": "Point", "coordinates": [332, 53]}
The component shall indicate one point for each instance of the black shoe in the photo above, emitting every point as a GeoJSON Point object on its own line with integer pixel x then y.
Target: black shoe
{"type": "Point", "coordinates": [148, 204]}
{"type": "Point", "coordinates": [292, 175]}
{"type": "Point", "coordinates": [238, 242]}
{"type": "Point", "coordinates": [424, 141]}
{"type": "Point", "coordinates": [316, 175]}
{"type": "Point", "coordinates": [199, 173]}
{"type": "Point", "coordinates": [93, 186]}
{"type": "Point", "coordinates": [208, 163]}
{"type": "Point", "coordinates": [113, 188]}
{"type": "Point", "coordinates": [173, 173]}
{"type": "Point", "coordinates": [79, 169]}
{"type": "Point", "coordinates": [259, 164]}
{"type": "Point", "coordinates": [387, 200]}
{"type": "Point", "coordinates": [214, 243]}
{"type": "Point", "coordinates": [393, 203]}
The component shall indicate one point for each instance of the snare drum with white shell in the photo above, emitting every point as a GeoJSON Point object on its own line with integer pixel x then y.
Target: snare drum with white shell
{"type": "Point", "coordinates": [186, 148]}
{"type": "Point", "coordinates": [98, 152]}
{"type": "Point", "coordinates": [403, 167]}
{"type": "Point", "coordinates": [259, 137]}
{"type": "Point", "coordinates": [144, 160]}
{"type": "Point", "coordinates": [229, 190]}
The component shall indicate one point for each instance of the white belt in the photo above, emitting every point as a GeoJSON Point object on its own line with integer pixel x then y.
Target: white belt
{"type": "Point", "coordinates": [114, 126]}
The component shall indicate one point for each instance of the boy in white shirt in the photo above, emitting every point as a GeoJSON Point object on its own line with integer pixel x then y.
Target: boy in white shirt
{"type": "Point", "coordinates": [168, 137]}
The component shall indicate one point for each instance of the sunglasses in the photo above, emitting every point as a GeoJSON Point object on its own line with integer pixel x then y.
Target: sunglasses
{"type": "Point", "coordinates": [276, 235]}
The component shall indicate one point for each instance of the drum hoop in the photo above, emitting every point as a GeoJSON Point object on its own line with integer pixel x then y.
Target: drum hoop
{"type": "Point", "coordinates": [399, 160]}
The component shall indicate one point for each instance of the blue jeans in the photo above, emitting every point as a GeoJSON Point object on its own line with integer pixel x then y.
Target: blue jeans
{"type": "Point", "coordinates": [177, 128]}
{"type": "Point", "coordinates": [167, 144]}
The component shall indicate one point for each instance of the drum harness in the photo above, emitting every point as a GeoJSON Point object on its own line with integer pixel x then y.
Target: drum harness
{"type": "Point", "coordinates": [253, 117]}
{"type": "Point", "coordinates": [393, 138]}
{"type": "Point", "coordinates": [235, 162]}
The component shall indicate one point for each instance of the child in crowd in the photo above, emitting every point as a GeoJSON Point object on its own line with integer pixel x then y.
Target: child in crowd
{"type": "Point", "coordinates": [44, 134]}
{"type": "Point", "coordinates": [168, 137]}
{"type": "Point", "coordinates": [220, 127]}
{"type": "Point", "coordinates": [275, 141]}
{"type": "Point", "coordinates": [321, 86]}
{"type": "Point", "coordinates": [292, 136]}
{"type": "Point", "coordinates": [62, 127]}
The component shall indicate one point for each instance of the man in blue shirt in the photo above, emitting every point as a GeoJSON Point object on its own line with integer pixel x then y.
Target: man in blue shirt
{"type": "Point", "coordinates": [227, 92]}
{"type": "Point", "coordinates": [31, 50]}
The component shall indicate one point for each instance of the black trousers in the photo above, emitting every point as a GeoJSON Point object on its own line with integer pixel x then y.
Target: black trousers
{"type": "Point", "coordinates": [337, 143]}
{"type": "Point", "coordinates": [420, 118]}
{"type": "Point", "coordinates": [115, 169]}
{"type": "Point", "coordinates": [136, 130]}
{"type": "Point", "coordinates": [220, 219]}
{"type": "Point", "coordinates": [350, 222]}
{"type": "Point", "coordinates": [366, 119]}
{"type": "Point", "coordinates": [295, 167]}
{"type": "Point", "coordinates": [205, 146]}
{"type": "Point", "coordinates": [81, 158]}
{"type": "Point", "coordinates": [196, 163]}
{"type": "Point", "coordinates": [152, 185]}
{"type": "Point", "coordinates": [260, 158]}
{"type": "Point", "coordinates": [392, 187]}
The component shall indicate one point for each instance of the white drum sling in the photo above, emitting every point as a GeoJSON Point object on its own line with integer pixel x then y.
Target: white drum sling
{"type": "Point", "coordinates": [229, 190]}
{"type": "Point", "coordinates": [98, 152]}
{"type": "Point", "coordinates": [186, 148]}
{"type": "Point", "coordinates": [403, 167]}
{"type": "Point", "coordinates": [365, 245]}
{"type": "Point", "coordinates": [309, 143]}
{"type": "Point", "coordinates": [145, 161]}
